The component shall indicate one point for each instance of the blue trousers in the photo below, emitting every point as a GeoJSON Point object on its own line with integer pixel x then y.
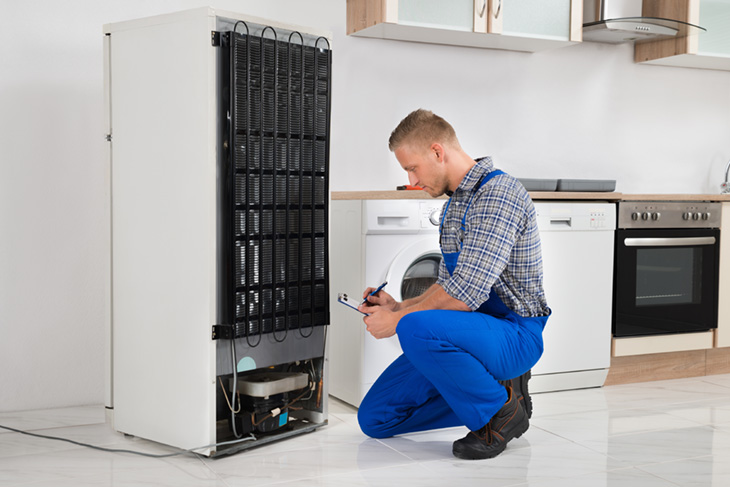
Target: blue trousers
{"type": "Point", "coordinates": [448, 372]}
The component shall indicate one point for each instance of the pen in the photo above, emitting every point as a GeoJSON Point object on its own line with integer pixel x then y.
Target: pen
{"type": "Point", "coordinates": [375, 292]}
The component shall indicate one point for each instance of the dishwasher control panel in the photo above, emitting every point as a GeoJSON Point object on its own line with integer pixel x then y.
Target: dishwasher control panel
{"type": "Point", "coordinates": [575, 216]}
{"type": "Point", "coordinates": [598, 219]}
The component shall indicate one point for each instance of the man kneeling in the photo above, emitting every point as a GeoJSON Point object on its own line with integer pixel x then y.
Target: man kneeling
{"type": "Point", "coordinates": [481, 323]}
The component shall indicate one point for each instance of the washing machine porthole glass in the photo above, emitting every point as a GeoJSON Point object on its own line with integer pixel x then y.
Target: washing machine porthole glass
{"type": "Point", "coordinates": [420, 276]}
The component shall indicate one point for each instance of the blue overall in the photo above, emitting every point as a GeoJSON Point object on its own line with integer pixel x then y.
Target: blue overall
{"type": "Point", "coordinates": [451, 363]}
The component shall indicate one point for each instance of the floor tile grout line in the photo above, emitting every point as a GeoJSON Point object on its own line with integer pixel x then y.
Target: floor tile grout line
{"type": "Point", "coordinates": [608, 470]}
{"type": "Point", "coordinates": [335, 474]}
{"type": "Point", "coordinates": [639, 467]}
{"type": "Point", "coordinates": [399, 452]}
{"type": "Point", "coordinates": [632, 408]}
{"type": "Point", "coordinates": [696, 424]}
{"type": "Point", "coordinates": [675, 460]}
{"type": "Point", "coordinates": [201, 459]}
{"type": "Point", "coordinates": [585, 447]}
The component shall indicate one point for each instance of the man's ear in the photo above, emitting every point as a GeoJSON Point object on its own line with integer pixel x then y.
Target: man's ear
{"type": "Point", "coordinates": [438, 150]}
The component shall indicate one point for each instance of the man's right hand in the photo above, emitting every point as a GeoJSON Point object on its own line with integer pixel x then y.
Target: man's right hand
{"type": "Point", "coordinates": [380, 299]}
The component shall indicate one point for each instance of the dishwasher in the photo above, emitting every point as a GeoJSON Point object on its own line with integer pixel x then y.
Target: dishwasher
{"type": "Point", "coordinates": [577, 249]}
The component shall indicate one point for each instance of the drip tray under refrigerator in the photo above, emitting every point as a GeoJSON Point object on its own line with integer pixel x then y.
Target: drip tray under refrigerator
{"type": "Point", "coordinates": [270, 383]}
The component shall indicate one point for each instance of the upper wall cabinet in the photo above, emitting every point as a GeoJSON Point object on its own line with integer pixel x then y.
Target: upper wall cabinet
{"type": "Point", "coordinates": [517, 25]}
{"type": "Point", "coordinates": [709, 49]}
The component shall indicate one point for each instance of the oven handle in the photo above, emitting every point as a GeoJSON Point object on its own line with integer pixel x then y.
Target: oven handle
{"type": "Point", "coordinates": [668, 242]}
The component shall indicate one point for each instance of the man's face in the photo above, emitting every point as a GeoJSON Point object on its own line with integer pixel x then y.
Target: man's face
{"type": "Point", "coordinates": [425, 168]}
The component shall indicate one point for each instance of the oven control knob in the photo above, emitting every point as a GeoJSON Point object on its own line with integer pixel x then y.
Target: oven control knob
{"type": "Point", "coordinates": [656, 216]}
{"type": "Point", "coordinates": [634, 216]}
{"type": "Point", "coordinates": [696, 216]}
{"type": "Point", "coordinates": [646, 215]}
{"type": "Point", "coordinates": [687, 216]}
{"type": "Point", "coordinates": [706, 216]}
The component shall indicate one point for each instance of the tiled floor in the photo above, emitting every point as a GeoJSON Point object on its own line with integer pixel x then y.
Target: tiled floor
{"type": "Point", "coordinates": [653, 434]}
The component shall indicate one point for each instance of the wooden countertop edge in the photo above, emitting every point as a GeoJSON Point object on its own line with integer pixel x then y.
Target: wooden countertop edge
{"type": "Point", "coordinates": [570, 195]}
{"type": "Point", "coordinates": [382, 195]}
{"type": "Point", "coordinates": [422, 195]}
{"type": "Point", "coordinates": [535, 195]}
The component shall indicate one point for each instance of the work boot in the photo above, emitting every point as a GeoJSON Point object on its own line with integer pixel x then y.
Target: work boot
{"type": "Point", "coordinates": [519, 385]}
{"type": "Point", "coordinates": [491, 440]}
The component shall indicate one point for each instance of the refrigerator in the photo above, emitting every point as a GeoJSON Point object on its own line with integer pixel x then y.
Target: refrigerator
{"type": "Point", "coordinates": [217, 135]}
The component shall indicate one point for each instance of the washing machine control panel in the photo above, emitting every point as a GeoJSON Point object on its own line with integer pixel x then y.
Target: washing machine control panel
{"type": "Point", "coordinates": [430, 213]}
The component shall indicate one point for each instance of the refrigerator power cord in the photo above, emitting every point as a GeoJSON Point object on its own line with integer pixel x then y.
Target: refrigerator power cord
{"type": "Point", "coordinates": [119, 450]}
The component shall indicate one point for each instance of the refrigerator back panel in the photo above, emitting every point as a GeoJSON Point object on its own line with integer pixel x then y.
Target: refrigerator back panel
{"type": "Point", "coordinates": [277, 182]}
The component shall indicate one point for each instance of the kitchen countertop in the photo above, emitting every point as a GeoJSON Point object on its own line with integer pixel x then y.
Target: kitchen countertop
{"type": "Point", "coordinates": [537, 195]}
{"type": "Point", "coordinates": [422, 195]}
{"type": "Point", "coordinates": [381, 195]}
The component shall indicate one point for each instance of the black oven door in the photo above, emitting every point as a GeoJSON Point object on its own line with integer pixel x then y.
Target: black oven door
{"type": "Point", "coordinates": [665, 281]}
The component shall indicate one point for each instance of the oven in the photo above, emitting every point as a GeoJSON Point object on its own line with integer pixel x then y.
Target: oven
{"type": "Point", "coordinates": [666, 268]}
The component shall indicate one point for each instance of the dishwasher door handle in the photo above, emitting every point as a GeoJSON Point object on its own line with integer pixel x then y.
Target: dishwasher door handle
{"type": "Point", "coordinates": [562, 221]}
{"type": "Point", "coordinates": [669, 242]}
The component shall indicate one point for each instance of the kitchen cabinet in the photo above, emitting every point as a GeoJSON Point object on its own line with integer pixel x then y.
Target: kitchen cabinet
{"type": "Point", "coordinates": [709, 50]}
{"type": "Point", "coordinates": [518, 25]}
{"type": "Point", "coordinates": [455, 15]}
{"type": "Point", "coordinates": [722, 337]}
{"type": "Point", "coordinates": [624, 347]}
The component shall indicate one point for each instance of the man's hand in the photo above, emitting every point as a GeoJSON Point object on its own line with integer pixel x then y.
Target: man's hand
{"type": "Point", "coordinates": [385, 312]}
{"type": "Point", "coordinates": [382, 299]}
{"type": "Point", "coordinates": [382, 322]}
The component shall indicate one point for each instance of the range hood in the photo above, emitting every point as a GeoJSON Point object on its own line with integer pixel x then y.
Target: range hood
{"type": "Point", "coordinates": [619, 21]}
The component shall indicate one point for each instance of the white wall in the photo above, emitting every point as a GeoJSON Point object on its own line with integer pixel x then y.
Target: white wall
{"type": "Point", "coordinates": [584, 112]}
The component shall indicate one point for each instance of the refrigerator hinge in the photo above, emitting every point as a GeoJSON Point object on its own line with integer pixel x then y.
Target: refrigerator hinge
{"type": "Point", "coordinates": [221, 332]}
{"type": "Point", "coordinates": [219, 39]}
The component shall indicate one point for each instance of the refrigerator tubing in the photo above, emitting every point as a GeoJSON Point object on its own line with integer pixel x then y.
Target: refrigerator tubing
{"type": "Point", "coordinates": [273, 267]}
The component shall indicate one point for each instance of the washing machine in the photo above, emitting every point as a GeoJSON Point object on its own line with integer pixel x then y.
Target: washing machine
{"type": "Point", "coordinates": [373, 241]}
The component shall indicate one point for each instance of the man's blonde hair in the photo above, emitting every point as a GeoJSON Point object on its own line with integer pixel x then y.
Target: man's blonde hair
{"type": "Point", "coordinates": [422, 128]}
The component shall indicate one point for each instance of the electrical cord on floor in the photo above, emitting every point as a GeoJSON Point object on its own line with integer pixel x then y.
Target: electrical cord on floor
{"type": "Point", "coordinates": [118, 450]}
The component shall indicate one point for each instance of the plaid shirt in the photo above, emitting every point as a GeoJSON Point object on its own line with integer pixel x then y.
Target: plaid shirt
{"type": "Point", "coordinates": [500, 246]}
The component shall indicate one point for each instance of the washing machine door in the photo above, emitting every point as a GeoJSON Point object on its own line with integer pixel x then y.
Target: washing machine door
{"type": "Point", "coordinates": [414, 269]}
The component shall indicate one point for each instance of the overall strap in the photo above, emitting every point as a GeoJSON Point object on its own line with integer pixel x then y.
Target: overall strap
{"type": "Point", "coordinates": [484, 181]}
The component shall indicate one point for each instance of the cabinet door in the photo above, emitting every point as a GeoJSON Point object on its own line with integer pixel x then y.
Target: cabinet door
{"type": "Point", "coordinates": [722, 334]}
{"type": "Point", "coordinates": [550, 19]}
{"type": "Point", "coordinates": [452, 15]}
{"type": "Point", "coordinates": [715, 17]}
{"type": "Point", "coordinates": [533, 25]}
{"type": "Point", "coordinates": [709, 50]}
